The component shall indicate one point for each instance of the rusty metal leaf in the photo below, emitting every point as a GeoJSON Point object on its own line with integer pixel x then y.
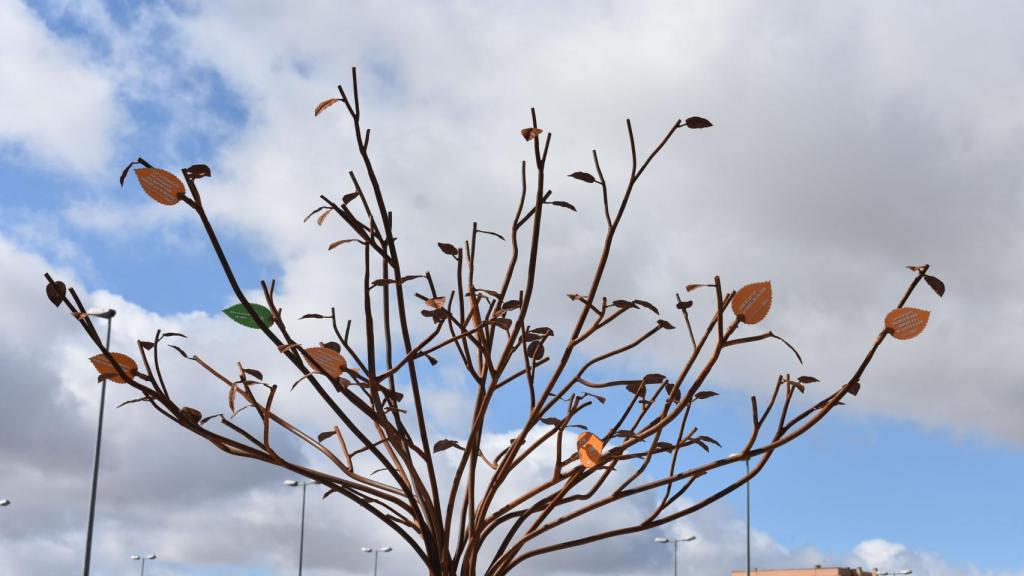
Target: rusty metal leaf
{"type": "Point", "coordinates": [108, 371]}
{"type": "Point", "coordinates": [752, 302]}
{"type": "Point", "coordinates": [905, 323]}
{"type": "Point", "coordinates": [325, 105]}
{"type": "Point", "coordinates": [161, 185]}
{"type": "Point", "coordinates": [55, 291]}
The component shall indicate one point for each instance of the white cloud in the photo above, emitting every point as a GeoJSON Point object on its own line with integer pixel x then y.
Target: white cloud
{"type": "Point", "coordinates": [58, 106]}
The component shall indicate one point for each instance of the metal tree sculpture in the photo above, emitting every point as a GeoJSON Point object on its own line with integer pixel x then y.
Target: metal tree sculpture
{"type": "Point", "coordinates": [377, 395]}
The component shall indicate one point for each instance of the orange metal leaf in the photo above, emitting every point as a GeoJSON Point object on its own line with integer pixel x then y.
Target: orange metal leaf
{"type": "Point", "coordinates": [590, 447]}
{"type": "Point", "coordinates": [108, 371]}
{"type": "Point", "coordinates": [752, 302]}
{"type": "Point", "coordinates": [332, 362]}
{"type": "Point", "coordinates": [161, 185]}
{"type": "Point", "coordinates": [905, 323]}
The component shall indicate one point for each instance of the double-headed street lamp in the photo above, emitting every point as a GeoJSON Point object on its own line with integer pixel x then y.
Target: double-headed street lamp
{"type": "Point", "coordinates": [302, 526]}
{"type": "Point", "coordinates": [108, 315]}
{"type": "Point", "coordinates": [367, 549]}
{"type": "Point", "coordinates": [675, 550]}
{"type": "Point", "coordinates": [143, 558]}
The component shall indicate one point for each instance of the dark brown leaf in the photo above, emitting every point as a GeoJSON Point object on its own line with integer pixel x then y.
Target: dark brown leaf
{"type": "Point", "coordinates": [55, 291]}
{"type": "Point", "coordinates": [436, 314]}
{"type": "Point", "coordinates": [530, 133]}
{"type": "Point", "coordinates": [169, 334]}
{"type": "Point", "coordinates": [936, 284]}
{"type": "Point", "coordinates": [683, 305]}
{"type": "Point", "coordinates": [191, 415]}
{"type": "Point", "coordinates": [180, 351]}
{"type": "Point", "coordinates": [709, 440]}
{"type": "Point", "coordinates": [806, 379]}
{"type": "Point", "coordinates": [535, 351]}
{"type": "Point", "coordinates": [511, 305]}
{"type": "Point", "coordinates": [479, 231]}
{"type": "Point", "coordinates": [305, 316]}
{"type": "Point", "coordinates": [705, 394]}
{"type": "Point", "coordinates": [254, 373]}
{"type": "Point", "coordinates": [503, 323]}
{"type": "Point", "coordinates": [324, 435]}
{"type": "Point", "coordinates": [445, 444]}
{"type": "Point", "coordinates": [654, 379]}
{"type": "Point", "coordinates": [854, 388]}
{"type": "Point", "coordinates": [448, 249]}
{"type": "Point", "coordinates": [349, 197]}
{"type": "Point", "coordinates": [692, 287]}
{"type": "Point", "coordinates": [333, 346]}
{"type": "Point", "coordinates": [146, 345]}
{"type": "Point", "coordinates": [197, 171]}
{"type": "Point", "coordinates": [624, 304]}
{"type": "Point", "coordinates": [124, 173]}
{"type": "Point", "coordinates": [666, 324]}
{"type": "Point", "coordinates": [697, 122]}
{"type": "Point", "coordinates": [551, 421]}
{"type": "Point", "coordinates": [637, 387]}
{"type": "Point", "coordinates": [647, 305]}
{"type": "Point", "coordinates": [584, 177]}
{"type": "Point", "coordinates": [563, 204]}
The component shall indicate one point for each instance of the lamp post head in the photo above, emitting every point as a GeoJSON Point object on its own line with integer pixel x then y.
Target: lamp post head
{"type": "Point", "coordinates": [135, 557]}
{"type": "Point", "coordinates": [5, 502]}
{"type": "Point", "coordinates": [661, 540]}
{"type": "Point", "coordinates": [290, 483]}
{"type": "Point", "coordinates": [366, 549]}
{"type": "Point", "coordinates": [106, 313]}
{"type": "Point", "coordinates": [689, 539]}
{"type": "Point", "coordinates": [151, 557]}
{"type": "Point", "coordinates": [385, 548]}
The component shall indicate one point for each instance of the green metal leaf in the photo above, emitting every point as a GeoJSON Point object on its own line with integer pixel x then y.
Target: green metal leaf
{"type": "Point", "coordinates": [239, 314]}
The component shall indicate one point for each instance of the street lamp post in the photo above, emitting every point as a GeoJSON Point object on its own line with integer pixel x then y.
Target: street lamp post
{"type": "Point", "coordinates": [367, 549]}
{"type": "Point", "coordinates": [747, 461]}
{"type": "Point", "coordinates": [143, 558]}
{"type": "Point", "coordinates": [108, 315]}
{"type": "Point", "coordinates": [675, 550]}
{"type": "Point", "coordinates": [302, 526]}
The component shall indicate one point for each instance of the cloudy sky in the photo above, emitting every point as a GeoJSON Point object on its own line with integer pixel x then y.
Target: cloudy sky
{"type": "Point", "coordinates": [851, 139]}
